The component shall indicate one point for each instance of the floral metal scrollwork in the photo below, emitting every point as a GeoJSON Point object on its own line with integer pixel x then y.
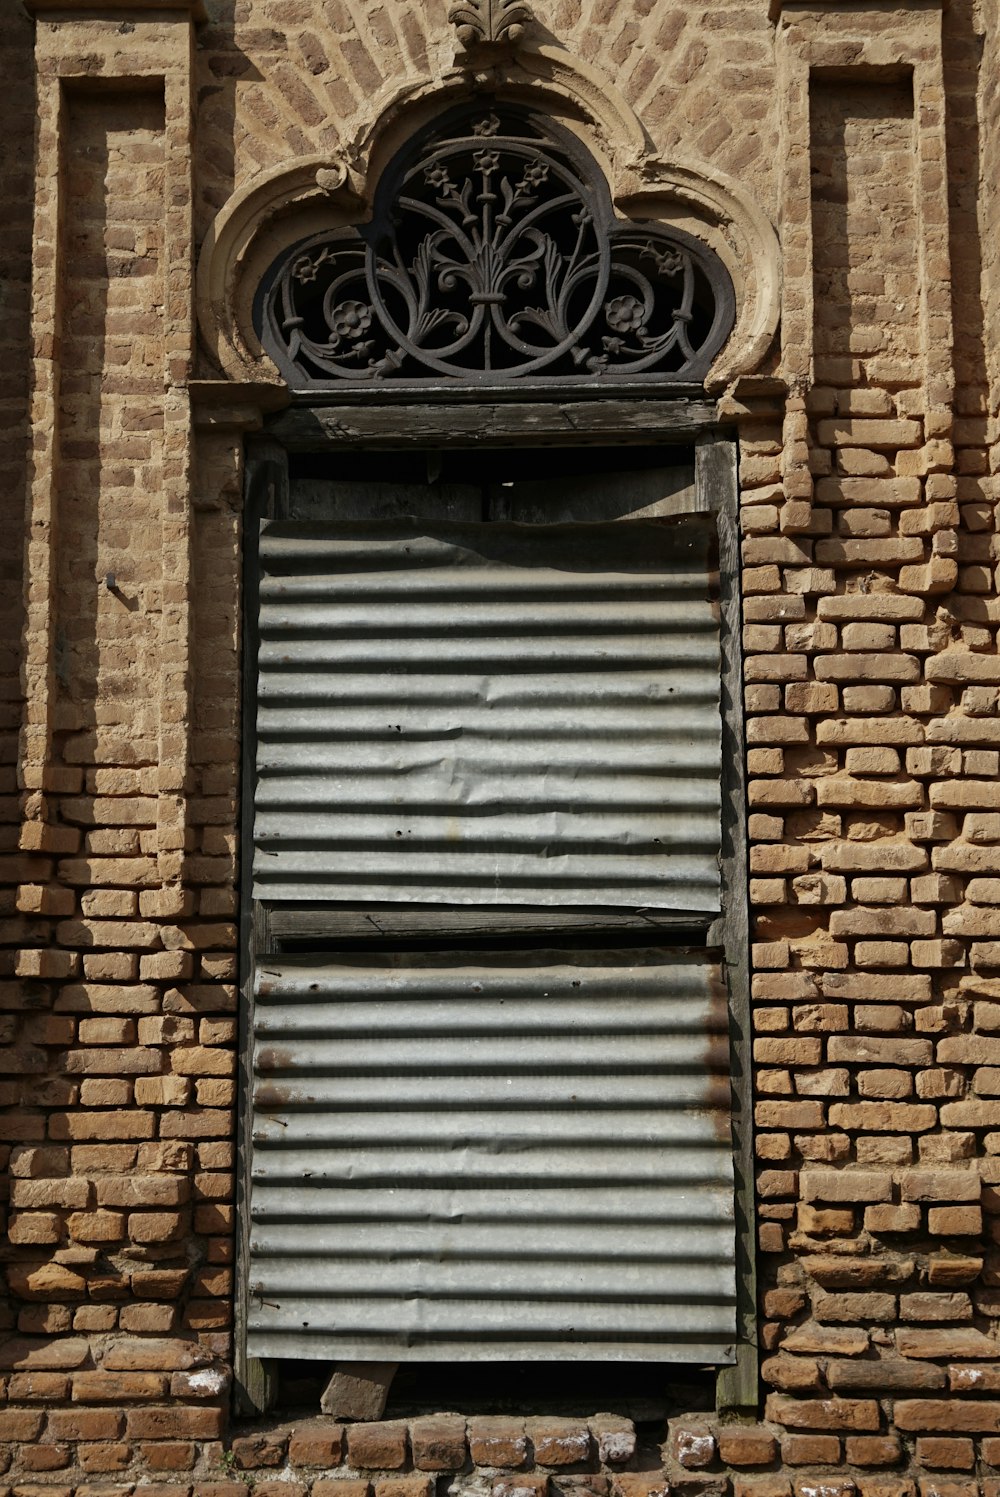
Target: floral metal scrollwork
{"type": "Point", "coordinates": [493, 256]}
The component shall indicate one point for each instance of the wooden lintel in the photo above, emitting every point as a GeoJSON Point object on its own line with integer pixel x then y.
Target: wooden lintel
{"type": "Point", "coordinates": [437, 420]}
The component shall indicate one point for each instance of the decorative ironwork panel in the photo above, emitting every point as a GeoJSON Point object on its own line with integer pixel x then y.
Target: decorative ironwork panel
{"type": "Point", "coordinates": [494, 255]}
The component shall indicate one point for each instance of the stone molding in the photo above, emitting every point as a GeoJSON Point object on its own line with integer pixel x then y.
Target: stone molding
{"type": "Point", "coordinates": [776, 8]}
{"type": "Point", "coordinates": [56, 10]}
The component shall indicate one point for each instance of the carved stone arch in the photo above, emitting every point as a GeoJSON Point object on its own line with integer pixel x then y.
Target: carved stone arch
{"type": "Point", "coordinates": [318, 194]}
{"type": "Point", "coordinates": [545, 79]}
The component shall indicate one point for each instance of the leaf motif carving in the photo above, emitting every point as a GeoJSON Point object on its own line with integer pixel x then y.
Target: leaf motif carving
{"type": "Point", "coordinates": [490, 22]}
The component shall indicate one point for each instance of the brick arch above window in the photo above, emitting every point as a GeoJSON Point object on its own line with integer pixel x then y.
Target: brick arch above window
{"type": "Point", "coordinates": [311, 195]}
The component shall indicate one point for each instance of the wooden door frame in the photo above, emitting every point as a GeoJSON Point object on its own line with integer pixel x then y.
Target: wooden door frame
{"type": "Point", "coordinates": [379, 421]}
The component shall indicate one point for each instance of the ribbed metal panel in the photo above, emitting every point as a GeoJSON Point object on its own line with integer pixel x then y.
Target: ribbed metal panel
{"type": "Point", "coordinates": [488, 714]}
{"type": "Point", "coordinates": [469, 1154]}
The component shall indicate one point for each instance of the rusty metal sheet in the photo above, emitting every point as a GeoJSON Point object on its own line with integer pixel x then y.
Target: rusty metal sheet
{"type": "Point", "coordinates": [508, 714]}
{"type": "Point", "coordinates": [461, 1155]}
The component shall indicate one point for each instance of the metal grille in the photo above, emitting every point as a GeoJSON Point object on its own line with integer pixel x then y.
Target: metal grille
{"type": "Point", "coordinates": [494, 254]}
{"type": "Point", "coordinates": [460, 1155]}
{"type": "Point", "coordinates": [488, 714]}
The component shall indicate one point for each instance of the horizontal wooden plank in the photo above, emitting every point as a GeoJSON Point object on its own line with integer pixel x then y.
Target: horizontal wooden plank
{"type": "Point", "coordinates": [439, 418]}
{"type": "Point", "coordinates": [474, 924]}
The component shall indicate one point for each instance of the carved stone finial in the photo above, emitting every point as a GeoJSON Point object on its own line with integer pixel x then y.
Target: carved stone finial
{"type": "Point", "coordinates": [493, 22]}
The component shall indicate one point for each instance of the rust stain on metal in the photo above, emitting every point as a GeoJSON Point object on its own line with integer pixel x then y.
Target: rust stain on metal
{"type": "Point", "coordinates": [274, 1058]}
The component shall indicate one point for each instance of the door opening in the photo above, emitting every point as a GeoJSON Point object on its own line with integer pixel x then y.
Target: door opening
{"type": "Point", "coordinates": [488, 1042]}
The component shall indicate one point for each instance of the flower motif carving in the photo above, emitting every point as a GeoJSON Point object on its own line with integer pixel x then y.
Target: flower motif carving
{"type": "Point", "coordinates": [624, 313]}
{"type": "Point", "coordinates": [494, 255]}
{"type": "Point", "coordinates": [349, 319]}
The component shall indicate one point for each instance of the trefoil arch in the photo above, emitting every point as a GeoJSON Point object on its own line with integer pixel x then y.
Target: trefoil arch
{"type": "Point", "coordinates": [493, 255]}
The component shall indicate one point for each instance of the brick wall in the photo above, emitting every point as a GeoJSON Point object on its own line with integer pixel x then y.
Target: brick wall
{"type": "Point", "coordinates": [870, 606]}
{"type": "Point", "coordinates": [988, 141]}
{"type": "Point", "coordinates": [17, 178]}
{"type": "Point", "coordinates": [303, 77]}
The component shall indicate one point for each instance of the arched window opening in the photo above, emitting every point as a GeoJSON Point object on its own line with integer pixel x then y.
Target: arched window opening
{"type": "Point", "coordinates": [494, 255]}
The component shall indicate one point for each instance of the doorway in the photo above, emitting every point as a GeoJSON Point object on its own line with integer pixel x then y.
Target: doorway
{"type": "Point", "coordinates": [488, 1037]}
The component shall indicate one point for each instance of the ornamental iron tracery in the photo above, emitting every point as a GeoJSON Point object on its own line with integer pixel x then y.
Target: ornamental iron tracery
{"type": "Point", "coordinates": [494, 255]}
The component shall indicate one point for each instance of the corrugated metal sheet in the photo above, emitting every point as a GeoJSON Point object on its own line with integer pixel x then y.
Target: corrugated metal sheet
{"type": "Point", "coordinates": [488, 714]}
{"type": "Point", "coordinates": [643, 493]}
{"type": "Point", "coordinates": [469, 1154]}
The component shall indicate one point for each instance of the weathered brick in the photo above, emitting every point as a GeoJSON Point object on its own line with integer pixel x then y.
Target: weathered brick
{"type": "Point", "coordinates": [175, 1422]}
{"type": "Point", "coordinates": [850, 1309]}
{"type": "Point", "coordinates": [873, 1450]}
{"type": "Point", "coordinates": [20, 1424]}
{"type": "Point", "coordinates": [871, 434]}
{"type": "Point", "coordinates": [746, 1446]}
{"type": "Point", "coordinates": [943, 1414]}
{"type": "Point", "coordinates": [891, 1117]}
{"type": "Point", "coordinates": [884, 1220]}
{"type": "Point", "coordinates": [945, 1453]}
{"type": "Point", "coordinates": [615, 1436]}
{"type": "Point", "coordinates": [810, 1450]}
{"type": "Point", "coordinates": [842, 1414]}
{"type": "Point", "coordinates": [558, 1442]}
{"type": "Point", "coordinates": [438, 1444]}
{"type": "Point", "coordinates": [380, 1446]}
{"type": "Point", "coordinates": [114, 1387]}
{"type": "Point", "coordinates": [955, 1221]}
{"type": "Point", "coordinates": [846, 1185]}
{"type": "Point", "coordinates": [940, 1185]}
{"type": "Point", "coordinates": [406, 1486]}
